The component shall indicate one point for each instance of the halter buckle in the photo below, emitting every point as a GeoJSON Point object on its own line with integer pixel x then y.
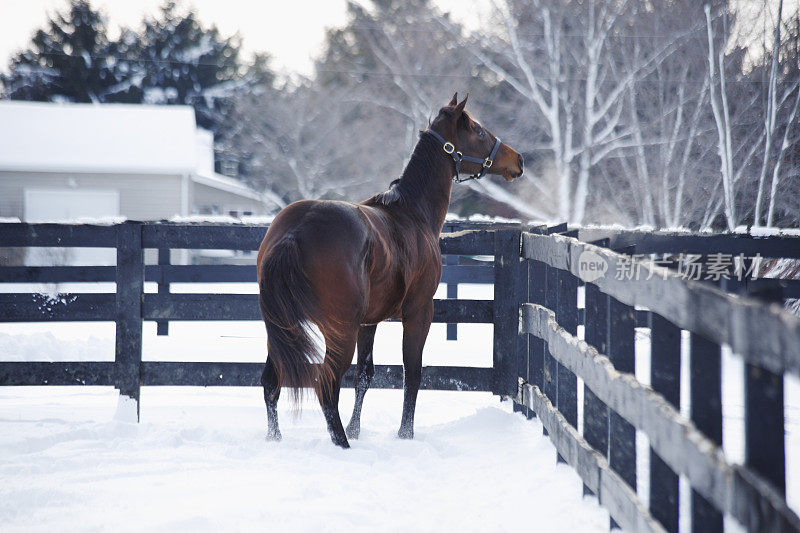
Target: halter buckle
{"type": "Point", "coordinates": [487, 163]}
{"type": "Point", "coordinates": [449, 147]}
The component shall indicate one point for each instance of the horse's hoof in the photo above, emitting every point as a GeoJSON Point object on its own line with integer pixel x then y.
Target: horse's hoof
{"type": "Point", "coordinates": [406, 433]}
{"type": "Point", "coordinates": [352, 432]}
{"type": "Point", "coordinates": [274, 436]}
{"type": "Point", "coordinates": [342, 443]}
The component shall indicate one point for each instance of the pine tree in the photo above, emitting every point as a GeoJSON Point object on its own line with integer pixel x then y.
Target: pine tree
{"type": "Point", "coordinates": [173, 59]}
{"type": "Point", "coordinates": [187, 63]}
{"type": "Point", "coordinates": [71, 59]}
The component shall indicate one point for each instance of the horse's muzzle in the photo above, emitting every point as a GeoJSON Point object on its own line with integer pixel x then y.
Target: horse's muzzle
{"type": "Point", "coordinates": [512, 174]}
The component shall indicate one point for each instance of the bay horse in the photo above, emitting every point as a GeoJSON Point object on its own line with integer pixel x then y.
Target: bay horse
{"type": "Point", "coordinates": [345, 267]}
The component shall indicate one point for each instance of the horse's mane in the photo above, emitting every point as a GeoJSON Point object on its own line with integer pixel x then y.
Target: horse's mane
{"type": "Point", "coordinates": [389, 196]}
{"type": "Point", "coordinates": [410, 185]}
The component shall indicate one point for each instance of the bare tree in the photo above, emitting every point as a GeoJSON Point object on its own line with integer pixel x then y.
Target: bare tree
{"type": "Point", "coordinates": [392, 57]}
{"type": "Point", "coordinates": [665, 114]}
{"type": "Point", "coordinates": [731, 169]}
{"type": "Point", "coordinates": [571, 79]}
{"type": "Point", "coordinates": [785, 144]}
{"type": "Point", "coordinates": [741, 137]}
{"type": "Point", "coordinates": [770, 115]}
{"type": "Point", "coordinates": [644, 112]}
{"type": "Point", "coordinates": [300, 142]}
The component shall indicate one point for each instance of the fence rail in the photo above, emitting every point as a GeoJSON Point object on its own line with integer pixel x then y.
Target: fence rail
{"type": "Point", "coordinates": [155, 373]}
{"type": "Point", "coordinates": [646, 242]}
{"type": "Point", "coordinates": [83, 307]}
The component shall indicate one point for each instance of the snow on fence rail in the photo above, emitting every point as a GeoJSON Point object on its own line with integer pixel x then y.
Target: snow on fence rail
{"type": "Point", "coordinates": [603, 450]}
{"type": "Point", "coordinates": [537, 355]}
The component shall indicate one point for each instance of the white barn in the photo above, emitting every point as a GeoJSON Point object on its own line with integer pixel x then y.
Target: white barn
{"type": "Point", "coordinates": [72, 161]}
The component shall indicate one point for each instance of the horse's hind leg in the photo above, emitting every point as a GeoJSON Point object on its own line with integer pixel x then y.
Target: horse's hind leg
{"type": "Point", "coordinates": [365, 369]}
{"type": "Point", "coordinates": [269, 380]}
{"type": "Point", "coordinates": [329, 390]}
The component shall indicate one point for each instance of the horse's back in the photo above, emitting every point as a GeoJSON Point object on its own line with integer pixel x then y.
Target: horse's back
{"type": "Point", "coordinates": [322, 227]}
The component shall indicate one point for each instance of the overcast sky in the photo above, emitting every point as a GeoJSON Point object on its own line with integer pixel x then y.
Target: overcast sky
{"type": "Point", "coordinates": [292, 31]}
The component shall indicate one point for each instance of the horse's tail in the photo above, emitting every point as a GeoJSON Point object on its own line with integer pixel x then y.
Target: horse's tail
{"type": "Point", "coordinates": [289, 308]}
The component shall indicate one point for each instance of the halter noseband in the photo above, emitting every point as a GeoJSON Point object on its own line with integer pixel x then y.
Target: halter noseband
{"type": "Point", "coordinates": [458, 157]}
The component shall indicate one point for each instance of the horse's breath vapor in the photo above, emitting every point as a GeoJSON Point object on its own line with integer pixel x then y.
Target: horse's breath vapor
{"type": "Point", "coordinates": [345, 267]}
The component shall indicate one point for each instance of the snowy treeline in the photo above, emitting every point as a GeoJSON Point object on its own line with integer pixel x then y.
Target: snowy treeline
{"type": "Point", "coordinates": [667, 113]}
{"type": "Point", "coordinates": [670, 113]}
{"type": "Point", "coordinates": [172, 58]}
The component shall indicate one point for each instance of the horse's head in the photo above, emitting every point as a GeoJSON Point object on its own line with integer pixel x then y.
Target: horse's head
{"type": "Point", "coordinates": [481, 151]}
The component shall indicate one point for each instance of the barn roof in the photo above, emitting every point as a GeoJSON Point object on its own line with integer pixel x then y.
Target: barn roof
{"type": "Point", "coordinates": [128, 138]}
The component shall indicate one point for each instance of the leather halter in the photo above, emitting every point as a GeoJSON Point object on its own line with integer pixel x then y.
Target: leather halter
{"type": "Point", "coordinates": [458, 157]}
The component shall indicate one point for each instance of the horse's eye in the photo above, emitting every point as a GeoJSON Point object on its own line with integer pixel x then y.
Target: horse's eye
{"type": "Point", "coordinates": [481, 133]}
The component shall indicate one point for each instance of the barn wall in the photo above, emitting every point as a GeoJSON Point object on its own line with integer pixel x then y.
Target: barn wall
{"type": "Point", "coordinates": [142, 197]}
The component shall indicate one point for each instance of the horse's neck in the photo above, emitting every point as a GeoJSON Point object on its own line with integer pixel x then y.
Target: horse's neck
{"type": "Point", "coordinates": [426, 183]}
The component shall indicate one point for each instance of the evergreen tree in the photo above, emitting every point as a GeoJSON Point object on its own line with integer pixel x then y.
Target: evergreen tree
{"type": "Point", "coordinates": [173, 59]}
{"type": "Point", "coordinates": [70, 59]}
{"type": "Point", "coordinates": [186, 63]}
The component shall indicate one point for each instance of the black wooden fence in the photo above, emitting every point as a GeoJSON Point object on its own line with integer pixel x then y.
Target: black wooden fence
{"type": "Point", "coordinates": [130, 305]}
{"type": "Point", "coordinates": [603, 448]}
{"type": "Point", "coordinates": [538, 357]}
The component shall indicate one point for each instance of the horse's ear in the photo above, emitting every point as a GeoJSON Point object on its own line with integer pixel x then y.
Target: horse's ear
{"type": "Point", "coordinates": [460, 107]}
{"type": "Point", "coordinates": [454, 100]}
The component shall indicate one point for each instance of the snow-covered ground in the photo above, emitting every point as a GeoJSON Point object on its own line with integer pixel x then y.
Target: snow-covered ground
{"type": "Point", "coordinates": [198, 459]}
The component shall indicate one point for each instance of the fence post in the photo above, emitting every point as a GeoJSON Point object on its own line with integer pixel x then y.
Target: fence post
{"type": "Point", "coordinates": [130, 291]}
{"type": "Point", "coordinates": [452, 292]}
{"type": "Point", "coordinates": [595, 412]}
{"type": "Point", "coordinates": [537, 285]}
{"type": "Point", "coordinates": [705, 372]}
{"type": "Point", "coordinates": [550, 366]}
{"type": "Point", "coordinates": [567, 316]}
{"type": "Point", "coordinates": [507, 301]}
{"type": "Point", "coordinates": [622, 351]}
{"type": "Point", "coordinates": [162, 326]}
{"type": "Point", "coordinates": [522, 284]}
{"type": "Point", "coordinates": [665, 378]}
{"type": "Point", "coordinates": [764, 445]}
